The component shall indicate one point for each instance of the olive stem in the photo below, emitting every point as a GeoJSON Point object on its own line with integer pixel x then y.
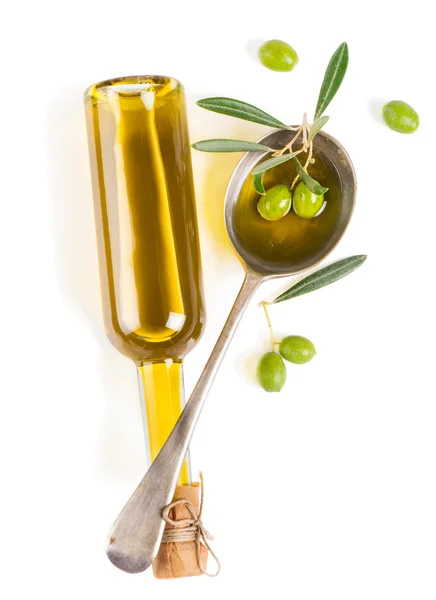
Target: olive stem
{"type": "Point", "coordinates": [306, 164]}
{"type": "Point", "coordinates": [307, 148]}
{"type": "Point", "coordinates": [273, 342]}
{"type": "Point", "coordinates": [289, 145]}
{"type": "Point", "coordinates": [305, 131]}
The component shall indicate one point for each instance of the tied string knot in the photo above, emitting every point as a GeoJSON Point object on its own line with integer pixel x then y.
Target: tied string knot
{"type": "Point", "coordinates": [190, 530]}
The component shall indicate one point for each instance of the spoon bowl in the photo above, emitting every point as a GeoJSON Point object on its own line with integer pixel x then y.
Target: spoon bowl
{"type": "Point", "coordinates": [328, 150]}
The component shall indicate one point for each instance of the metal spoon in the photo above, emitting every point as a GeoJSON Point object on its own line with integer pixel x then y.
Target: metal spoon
{"type": "Point", "coordinates": [137, 532]}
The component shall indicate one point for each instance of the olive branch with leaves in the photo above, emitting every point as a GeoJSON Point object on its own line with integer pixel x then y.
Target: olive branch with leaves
{"type": "Point", "coordinates": [333, 77]}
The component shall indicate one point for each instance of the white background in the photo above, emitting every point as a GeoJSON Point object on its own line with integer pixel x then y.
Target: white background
{"type": "Point", "coordinates": [326, 490]}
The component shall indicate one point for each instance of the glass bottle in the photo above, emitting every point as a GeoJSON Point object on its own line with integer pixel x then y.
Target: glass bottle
{"type": "Point", "coordinates": [149, 256]}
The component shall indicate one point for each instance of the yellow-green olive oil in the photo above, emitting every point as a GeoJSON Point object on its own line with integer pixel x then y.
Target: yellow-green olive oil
{"type": "Point", "coordinates": [290, 239]}
{"type": "Point", "coordinates": [145, 216]}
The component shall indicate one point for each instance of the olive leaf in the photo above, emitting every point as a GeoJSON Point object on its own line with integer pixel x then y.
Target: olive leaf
{"type": "Point", "coordinates": [323, 277]}
{"type": "Point", "coordinates": [258, 183]}
{"type": "Point", "coordinates": [240, 110]}
{"type": "Point", "coordinates": [332, 79]}
{"type": "Point", "coordinates": [316, 127]}
{"type": "Point", "coordinates": [223, 145]}
{"type": "Point", "coordinates": [308, 181]}
{"type": "Point", "coordinates": [273, 162]}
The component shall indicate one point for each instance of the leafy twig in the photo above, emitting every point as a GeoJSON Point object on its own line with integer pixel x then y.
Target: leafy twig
{"type": "Point", "coordinates": [240, 110]}
{"type": "Point", "coordinates": [316, 127]}
{"type": "Point", "coordinates": [306, 165]}
{"type": "Point", "coordinates": [258, 183]}
{"type": "Point", "coordinates": [274, 162]}
{"type": "Point", "coordinates": [333, 77]}
{"type": "Point", "coordinates": [224, 145]}
{"type": "Point", "coordinates": [310, 183]}
{"type": "Point", "coordinates": [236, 108]}
{"type": "Point", "coordinates": [322, 277]}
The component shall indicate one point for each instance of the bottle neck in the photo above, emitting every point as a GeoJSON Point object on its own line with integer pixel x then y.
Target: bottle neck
{"type": "Point", "coordinates": [162, 401]}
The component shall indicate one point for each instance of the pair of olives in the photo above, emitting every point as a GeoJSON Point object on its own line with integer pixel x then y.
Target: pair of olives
{"type": "Point", "coordinates": [271, 369]}
{"type": "Point", "coordinates": [278, 200]}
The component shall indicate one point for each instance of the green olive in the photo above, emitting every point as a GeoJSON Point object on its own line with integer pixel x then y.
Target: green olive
{"type": "Point", "coordinates": [278, 56]}
{"type": "Point", "coordinates": [306, 203]}
{"type": "Point", "coordinates": [275, 203]}
{"type": "Point", "coordinates": [400, 116]}
{"type": "Point", "coordinates": [271, 372]}
{"type": "Point", "coordinates": [297, 349]}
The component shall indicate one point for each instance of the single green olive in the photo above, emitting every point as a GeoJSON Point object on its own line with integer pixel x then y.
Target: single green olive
{"type": "Point", "coordinates": [297, 349]}
{"type": "Point", "coordinates": [278, 56]}
{"type": "Point", "coordinates": [275, 203]}
{"type": "Point", "coordinates": [271, 372]}
{"type": "Point", "coordinates": [400, 116]}
{"type": "Point", "coordinates": [306, 203]}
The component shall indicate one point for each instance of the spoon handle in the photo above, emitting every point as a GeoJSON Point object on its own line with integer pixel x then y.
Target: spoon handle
{"type": "Point", "coordinates": [137, 532]}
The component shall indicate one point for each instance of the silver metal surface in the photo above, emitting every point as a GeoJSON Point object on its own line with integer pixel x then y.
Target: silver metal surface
{"type": "Point", "coordinates": [137, 532]}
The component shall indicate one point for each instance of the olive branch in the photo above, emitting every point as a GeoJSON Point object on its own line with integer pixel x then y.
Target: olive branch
{"type": "Point", "coordinates": [333, 77]}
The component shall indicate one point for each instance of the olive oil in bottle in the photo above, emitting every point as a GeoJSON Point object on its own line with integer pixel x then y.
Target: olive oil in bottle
{"type": "Point", "coordinates": [150, 266]}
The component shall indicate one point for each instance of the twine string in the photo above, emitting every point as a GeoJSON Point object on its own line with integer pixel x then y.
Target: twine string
{"type": "Point", "coordinates": [190, 530]}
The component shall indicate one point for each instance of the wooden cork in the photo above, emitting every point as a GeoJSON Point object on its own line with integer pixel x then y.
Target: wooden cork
{"type": "Point", "coordinates": [180, 559]}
